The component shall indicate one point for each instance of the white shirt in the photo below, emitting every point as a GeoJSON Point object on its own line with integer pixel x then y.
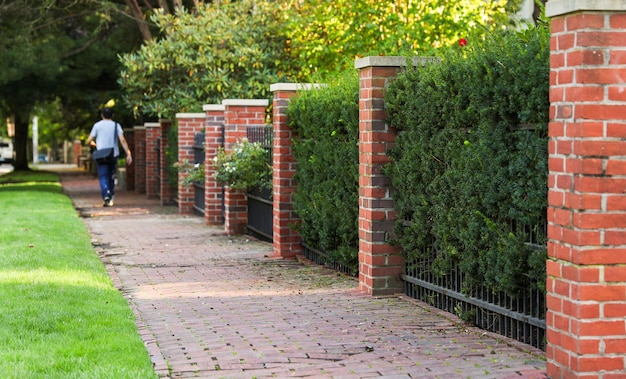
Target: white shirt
{"type": "Point", "coordinates": [102, 132]}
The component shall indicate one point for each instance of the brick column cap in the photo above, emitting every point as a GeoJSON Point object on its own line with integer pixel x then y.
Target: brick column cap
{"type": "Point", "coordinates": [152, 125]}
{"type": "Point", "coordinates": [213, 107]}
{"type": "Point", "coordinates": [563, 7]}
{"type": "Point", "coordinates": [294, 86]}
{"type": "Point", "coordinates": [246, 102]}
{"type": "Point", "coordinates": [138, 127]}
{"type": "Point", "coordinates": [391, 61]}
{"type": "Point", "coordinates": [190, 115]}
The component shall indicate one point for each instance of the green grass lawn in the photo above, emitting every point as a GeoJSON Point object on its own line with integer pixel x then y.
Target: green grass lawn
{"type": "Point", "coordinates": [60, 315]}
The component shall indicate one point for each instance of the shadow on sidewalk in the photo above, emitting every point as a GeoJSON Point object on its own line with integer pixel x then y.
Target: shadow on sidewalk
{"type": "Point", "coordinates": [83, 188]}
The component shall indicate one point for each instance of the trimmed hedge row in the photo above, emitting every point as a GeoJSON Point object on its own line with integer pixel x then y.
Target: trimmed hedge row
{"type": "Point", "coordinates": [470, 164]}
{"type": "Point", "coordinates": [326, 122]}
{"type": "Point", "coordinates": [469, 169]}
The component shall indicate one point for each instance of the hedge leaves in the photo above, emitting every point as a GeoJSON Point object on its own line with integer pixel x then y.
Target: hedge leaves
{"type": "Point", "coordinates": [470, 165]}
{"type": "Point", "coordinates": [326, 122]}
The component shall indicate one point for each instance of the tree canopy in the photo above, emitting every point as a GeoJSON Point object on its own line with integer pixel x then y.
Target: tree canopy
{"type": "Point", "coordinates": [140, 11]}
{"type": "Point", "coordinates": [329, 36]}
{"type": "Point", "coordinates": [62, 50]}
{"type": "Point", "coordinates": [195, 52]}
{"type": "Point", "coordinates": [238, 48]}
{"type": "Point", "coordinates": [234, 49]}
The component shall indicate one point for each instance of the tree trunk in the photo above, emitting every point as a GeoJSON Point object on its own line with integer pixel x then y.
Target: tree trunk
{"type": "Point", "coordinates": [164, 6]}
{"type": "Point", "coordinates": [140, 19]}
{"type": "Point", "coordinates": [20, 143]}
{"type": "Point", "coordinates": [537, 10]}
{"type": "Point", "coordinates": [196, 5]}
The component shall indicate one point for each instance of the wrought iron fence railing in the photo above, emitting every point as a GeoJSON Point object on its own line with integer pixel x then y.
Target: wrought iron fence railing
{"type": "Point", "coordinates": [321, 258]}
{"type": "Point", "coordinates": [260, 204]}
{"type": "Point", "coordinates": [198, 159]}
{"type": "Point", "coordinates": [521, 318]}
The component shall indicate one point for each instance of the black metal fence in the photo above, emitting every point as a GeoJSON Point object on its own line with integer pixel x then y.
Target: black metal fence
{"type": "Point", "coordinates": [198, 186]}
{"type": "Point", "coordinates": [521, 318]}
{"type": "Point", "coordinates": [321, 258]}
{"type": "Point", "coordinates": [260, 203]}
{"type": "Point", "coordinates": [262, 134]}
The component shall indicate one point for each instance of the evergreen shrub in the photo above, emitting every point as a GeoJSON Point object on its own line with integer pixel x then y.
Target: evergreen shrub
{"type": "Point", "coordinates": [326, 123]}
{"type": "Point", "coordinates": [470, 166]}
{"type": "Point", "coordinates": [171, 157]}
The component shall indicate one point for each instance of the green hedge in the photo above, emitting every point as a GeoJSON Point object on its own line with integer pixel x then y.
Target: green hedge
{"type": "Point", "coordinates": [326, 122]}
{"type": "Point", "coordinates": [470, 165]}
{"type": "Point", "coordinates": [171, 157]}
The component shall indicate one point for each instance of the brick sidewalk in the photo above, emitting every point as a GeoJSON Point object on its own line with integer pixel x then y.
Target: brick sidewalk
{"type": "Point", "coordinates": [213, 306]}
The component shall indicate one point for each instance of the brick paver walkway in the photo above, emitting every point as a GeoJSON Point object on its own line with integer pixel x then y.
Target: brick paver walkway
{"type": "Point", "coordinates": [213, 306]}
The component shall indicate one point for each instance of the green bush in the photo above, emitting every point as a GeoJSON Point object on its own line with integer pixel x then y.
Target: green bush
{"type": "Point", "coordinates": [470, 165]}
{"type": "Point", "coordinates": [326, 122]}
{"type": "Point", "coordinates": [194, 172]}
{"type": "Point", "coordinates": [222, 50]}
{"type": "Point", "coordinates": [245, 167]}
{"type": "Point", "coordinates": [171, 157]}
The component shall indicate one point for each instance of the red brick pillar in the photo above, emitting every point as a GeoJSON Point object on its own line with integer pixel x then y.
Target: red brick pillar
{"type": "Point", "coordinates": [586, 284]}
{"type": "Point", "coordinates": [129, 135]}
{"type": "Point", "coordinates": [78, 152]}
{"type": "Point", "coordinates": [188, 125]}
{"type": "Point", "coordinates": [153, 183]}
{"type": "Point", "coordinates": [286, 239]}
{"type": "Point", "coordinates": [380, 264]}
{"type": "Point", "coordinates": [213, 140]}
{"type": "Point", "coordinates": [238, 115]}
{"type": "Point", "coordinates": [139, 158]}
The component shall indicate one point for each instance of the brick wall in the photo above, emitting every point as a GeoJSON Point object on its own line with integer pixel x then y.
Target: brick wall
{"type": "Point", "coordinates": [380, 264]}
{"type": "Point", "coordinates": [129, 135]}
{"type": "Point", "coordinates": [188, 125]}
{"type": "Point", "coordinates": [213, 140]}
{"type": "Point", "coordinates": [77, 147]}
{"type": "Point", "coordinates": [238, 115]}
{"type": "Point", "coordinates": [153, 183]}
{"type": "Point", "coordinates": [586, 286]}
{"type": "Point", "coordinates": [139, 158]}
{"type": "Point", "coordinates": [286, 240]}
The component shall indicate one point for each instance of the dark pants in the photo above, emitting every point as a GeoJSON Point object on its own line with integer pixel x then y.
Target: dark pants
{"type": "Point", "coordinates": [106, 171]}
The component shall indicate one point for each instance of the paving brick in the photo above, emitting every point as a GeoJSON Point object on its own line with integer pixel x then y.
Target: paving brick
{"type": "Point", "coordinates": [210, 305]}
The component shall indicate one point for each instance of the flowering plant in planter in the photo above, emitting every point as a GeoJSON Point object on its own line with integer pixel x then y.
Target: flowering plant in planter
{"type": "Point", "coordinates": [246, 166]}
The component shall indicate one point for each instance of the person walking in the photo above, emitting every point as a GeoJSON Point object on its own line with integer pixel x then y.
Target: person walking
{"type": "Point", "coordinates": [104, 134]}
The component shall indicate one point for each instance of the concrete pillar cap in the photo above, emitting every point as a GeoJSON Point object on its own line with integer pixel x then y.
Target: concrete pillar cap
{"type": "Point", "coordinates": [190, 115]}
{"type": "Point", "coordinates": [213, 107]}
{"type": "Point", "coordinates": [563, 7]}
{"type": "Point", "coordinates": [392, 61]}
{"type": "Point", "coordinates": [293, 87]}
{"type": "Point", "coordinates": [246, 102]}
